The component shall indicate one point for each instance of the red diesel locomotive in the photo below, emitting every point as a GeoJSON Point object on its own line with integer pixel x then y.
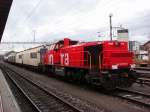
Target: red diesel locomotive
{"type": "Point", "coordinates": [108, 64]}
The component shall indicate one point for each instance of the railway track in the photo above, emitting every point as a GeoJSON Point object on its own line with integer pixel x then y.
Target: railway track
{"type": "Point", "coordinates": [143, 71]}
{"type": "Point", "coordinates": [143, 68]}
{"type": "Point", "coordinates": [42, 100]}
{"type": "Point", "coordinates": [136, 97]}
{"type": "Point", "coordinates": [141, 99]}
{"type": "Point", "coordinates": [80, 104]}
{"type": "Point", "coordinates": [143, 81]}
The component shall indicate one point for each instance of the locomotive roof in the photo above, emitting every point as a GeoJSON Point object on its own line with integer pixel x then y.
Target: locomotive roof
{"type": "Point", "coordinates": [74, 44]}
{"type": "Point", "coordinates": [86, 43]}
{"type": "Point", "coordinates": [31, 48]}
{"type": "Point", "coordinates": [72, 41]}
{"type": "Point", "coordinates": [92, 43]}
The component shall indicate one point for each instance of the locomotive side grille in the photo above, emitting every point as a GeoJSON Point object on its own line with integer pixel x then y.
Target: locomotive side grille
{"type": "Point", "coordinates": [121, 54]}
{"type": "Point", "coordinates": [121, 59]}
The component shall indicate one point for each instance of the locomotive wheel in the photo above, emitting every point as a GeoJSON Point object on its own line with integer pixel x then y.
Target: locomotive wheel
{"type": "Point", "coordinates": [131, 79]}
{"type": "Point", "coordinates": [109, 84]}
{"type": "Point", "coordinates": [76, 76]}
{"type": "Point", "coordinates": [125, 83]}
{"type": "Point", "coordinates": [82, 77]}
{"type": "Point", "coordinates": [128, 83]}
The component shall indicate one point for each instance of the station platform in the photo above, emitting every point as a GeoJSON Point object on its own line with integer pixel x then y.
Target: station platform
{"type": "Point", "coordinates": [7, 100]}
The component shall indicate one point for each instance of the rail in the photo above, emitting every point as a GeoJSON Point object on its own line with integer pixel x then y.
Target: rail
{"type": "Point", "coordinates": [143, 81]}
{"type": "Point", "coordinates": [143, 71]}
{"type": "Point", "coordinates": [81, 104]}
{"type": "Point", "coordinates": [29, 89]}
{"type": "Point", "coordinates": [134, 97]}
{"type": "Point", "coordinates": [143, 68]}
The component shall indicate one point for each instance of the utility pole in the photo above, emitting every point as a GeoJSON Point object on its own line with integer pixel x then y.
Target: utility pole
{"type": "Point", "coordinates": [110, 16]}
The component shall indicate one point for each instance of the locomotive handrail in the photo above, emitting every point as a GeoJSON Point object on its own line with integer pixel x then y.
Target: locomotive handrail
{"type": "Point", "coordinates": [100, 61]}
{"type": "Point", "coordinates": [84, 60]}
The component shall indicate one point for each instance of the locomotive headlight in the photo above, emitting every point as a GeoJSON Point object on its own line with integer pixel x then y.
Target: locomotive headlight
{"type": "Point", "coordinates": [114, 67]}
{"type": "Point", "coordinates": [132, 65]}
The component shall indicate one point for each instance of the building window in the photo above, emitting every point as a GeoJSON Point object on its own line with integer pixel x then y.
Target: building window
{"type": "Point", "coordinates": [33, 55]}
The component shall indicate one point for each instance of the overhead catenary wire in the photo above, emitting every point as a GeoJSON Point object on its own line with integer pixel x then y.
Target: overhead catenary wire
{"type": "Point", "coordinates": [105, 4]}
{"type": "Point", "coordinates": [28, 15]}
{"type": "Point", "coordinates": [33, 10]}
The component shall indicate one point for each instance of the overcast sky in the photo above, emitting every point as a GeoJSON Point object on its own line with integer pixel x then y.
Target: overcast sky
{"type": "Point", "coordinates": [77, 19]}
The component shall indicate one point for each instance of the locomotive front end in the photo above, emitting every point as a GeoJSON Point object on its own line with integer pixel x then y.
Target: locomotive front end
{"type": "Point", "coordinates": [119, 64]}
{"type": "Point", "coordinates": [116, 65]}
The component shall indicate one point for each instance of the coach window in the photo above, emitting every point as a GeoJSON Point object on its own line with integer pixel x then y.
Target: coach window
{"type": "Point", "coordinates": [58, 46]}
{"type": "Point", "coordinates": [33, 55]}
{"type": "Point", "coordinates": [61, 45]}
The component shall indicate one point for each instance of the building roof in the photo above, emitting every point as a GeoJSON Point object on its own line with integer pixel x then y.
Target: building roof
{"type": "Point", "coordinates": [4, 11]}
{"type": "Point", "coordinates": [148, 42]}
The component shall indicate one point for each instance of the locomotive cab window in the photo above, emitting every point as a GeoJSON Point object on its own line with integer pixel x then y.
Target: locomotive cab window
{"type": "Point", "coordinates": [52, 47]}
{"type": "Point", "coordinates": [58, 46]}
{"type": "Point", "coordinates": [33, 55]}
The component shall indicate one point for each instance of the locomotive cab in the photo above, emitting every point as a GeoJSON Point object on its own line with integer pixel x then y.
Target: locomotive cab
{"type": "Point", "coordinates": [96, 57]}
{"type": "Point", "coordinates": [117, 56]}
{"type": "Point", "coordinates": [111, 64]}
